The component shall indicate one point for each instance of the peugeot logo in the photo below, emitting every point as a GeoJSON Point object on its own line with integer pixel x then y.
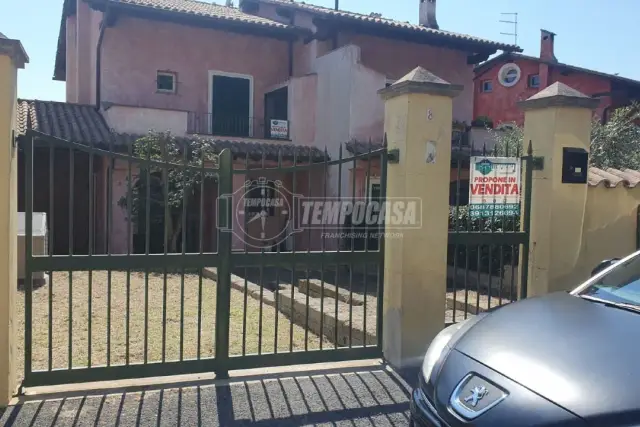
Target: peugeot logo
{"type": "Point", "coordinates": [477, 393]}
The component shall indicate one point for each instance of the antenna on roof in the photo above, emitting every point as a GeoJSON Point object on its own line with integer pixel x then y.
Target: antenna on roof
{"type": "Point", "coordinates": [514, 21]}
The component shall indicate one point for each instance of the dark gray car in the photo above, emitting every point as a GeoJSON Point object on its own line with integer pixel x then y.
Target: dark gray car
{"type": "Point", "coordinates": [564, 359]}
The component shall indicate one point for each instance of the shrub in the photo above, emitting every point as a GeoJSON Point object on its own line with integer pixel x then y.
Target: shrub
{"type": "Point", "coordinates": [486, 257]}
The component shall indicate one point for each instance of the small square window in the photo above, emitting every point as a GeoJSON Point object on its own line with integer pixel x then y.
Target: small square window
{"type": "Point", "coordinates": [487, 86]}
{"type": "Point", "coordinates": [534, 80]}
{"type": "Point", "coordinates": [166, 82]}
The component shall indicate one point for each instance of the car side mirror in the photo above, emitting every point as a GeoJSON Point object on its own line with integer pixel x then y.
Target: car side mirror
{"type": "Point", "coordinates": [604, 264]}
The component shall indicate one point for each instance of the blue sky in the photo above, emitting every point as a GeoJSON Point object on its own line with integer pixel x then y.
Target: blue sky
{"type": "Point", "coordinates": [596, 34]}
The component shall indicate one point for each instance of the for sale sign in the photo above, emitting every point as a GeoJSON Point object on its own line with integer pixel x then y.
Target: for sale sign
{"type": "Point", "coordinates": [494, 187]}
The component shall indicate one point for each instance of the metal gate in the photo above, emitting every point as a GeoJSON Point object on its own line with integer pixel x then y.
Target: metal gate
{"type": "Point", "coordinates": [146, 274]}
{"type": "Point", "coordinates": [488, 256]}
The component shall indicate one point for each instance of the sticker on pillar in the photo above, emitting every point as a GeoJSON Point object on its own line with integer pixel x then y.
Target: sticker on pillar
{"type": "Point", "coordinates": [494, 189]}
{"type": "Point", "coordinates": [430, 152]}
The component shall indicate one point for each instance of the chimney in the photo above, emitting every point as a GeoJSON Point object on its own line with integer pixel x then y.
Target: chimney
{"type": "Point", "coordinates": [546, 46]}
{"type": "Point", "coordinates": [428, 14]}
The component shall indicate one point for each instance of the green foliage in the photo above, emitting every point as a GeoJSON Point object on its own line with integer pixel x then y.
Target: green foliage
{"type": "Point", "coordinates": [460, 220]}
{"type": "Point", "coordinates": [170, 174]}
{"type": "Point", "coordinates": [482, 121]}
{"type": "Point", "coordinates": [614, 144]}
{"type": "Point", "coordinates": [486, 258]}
{"type": "Point", "coordinates": [509, 140]}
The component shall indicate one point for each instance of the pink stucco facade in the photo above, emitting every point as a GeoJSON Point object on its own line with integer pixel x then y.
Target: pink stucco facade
{"type": "Point", "coordinates": [394, 58]}
{"type": "Point", "coordinates": [332, 90]}
{"type": "Point", "coordinates": [136, 49]}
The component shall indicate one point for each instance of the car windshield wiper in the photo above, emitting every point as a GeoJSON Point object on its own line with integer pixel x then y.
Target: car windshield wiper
{"type": "Point", "coordinates": [622, 305]}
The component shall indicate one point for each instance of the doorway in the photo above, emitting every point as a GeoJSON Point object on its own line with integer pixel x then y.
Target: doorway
{"type": "Point", "coordinates": [276, 108]}
{"type": "Point", "coordinates": [231, 104]}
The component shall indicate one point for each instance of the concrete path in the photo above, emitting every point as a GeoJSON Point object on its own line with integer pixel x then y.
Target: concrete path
{"type": "Point", "coordinates": [353, 396]}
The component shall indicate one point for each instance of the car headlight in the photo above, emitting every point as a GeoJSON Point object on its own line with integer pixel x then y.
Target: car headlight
{"type": "Point", "coordinates": [437, 348]}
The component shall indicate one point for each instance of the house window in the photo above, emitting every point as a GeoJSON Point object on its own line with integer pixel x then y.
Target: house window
{"type": "Point", "coordinates": [534, 80]}
{"type": "Point", "coordinates": [487, 86]}
{"type": "Point", "coordinates": [166, 82]}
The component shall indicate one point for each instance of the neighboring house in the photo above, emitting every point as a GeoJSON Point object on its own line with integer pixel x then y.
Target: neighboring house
{"type": "Point", "coordinates": [271, 72]}
{"type": "Point", "coordinates": [353, 55]}
{"type": "Point", "coordinates": [511, 77]}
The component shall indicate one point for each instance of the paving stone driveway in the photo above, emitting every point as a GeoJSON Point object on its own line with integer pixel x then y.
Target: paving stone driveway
{"type": "Point", "coordinates": [371, 396]}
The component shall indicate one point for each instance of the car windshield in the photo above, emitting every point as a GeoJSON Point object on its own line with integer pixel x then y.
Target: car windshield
{"type": "Point", "coordinates": [621, 285]}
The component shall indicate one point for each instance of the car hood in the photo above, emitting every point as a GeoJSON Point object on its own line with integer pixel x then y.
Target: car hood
{"type": "Point", "coordinates": [581, 355]}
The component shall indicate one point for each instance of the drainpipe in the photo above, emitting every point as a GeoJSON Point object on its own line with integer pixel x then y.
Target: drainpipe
{"type": "Point", "coordinates": [291, 48]}
{"type": "Point", "coordinates": [103, 27]}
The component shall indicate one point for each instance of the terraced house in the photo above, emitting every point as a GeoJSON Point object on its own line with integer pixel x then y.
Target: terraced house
{"type": "Point", "coordinates": [268, 74]}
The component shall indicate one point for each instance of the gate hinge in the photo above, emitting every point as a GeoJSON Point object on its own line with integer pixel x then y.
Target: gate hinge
{"type": "Point", "coordinates": [393, 156]}
{"type": "Point", "coordinates": [537, 163]}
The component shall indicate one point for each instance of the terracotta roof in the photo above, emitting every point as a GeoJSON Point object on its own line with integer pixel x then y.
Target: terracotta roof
{"type": "Point", "coordinates": [83, 124]}
{"type": "Point", "coordinates": [361, 147]}
{"type": "Point", "coordinates": [179, 8]}
{"type": "Point", "coordinates": [391, 23]}
{"type": "Point", "coordinates": [201, 8]}
{"type": "Point", "coordinates": [611, 178]}
{"type": "Point", "coordinates": [241, 148]}
{"type": "Point", "coordinates": [72, 122]}
{"type": "Point", "coordinates": [481, 68]}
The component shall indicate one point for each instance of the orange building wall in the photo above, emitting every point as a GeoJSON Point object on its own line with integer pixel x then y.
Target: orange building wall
{"type": "Point", "coordinates": [500, 105]}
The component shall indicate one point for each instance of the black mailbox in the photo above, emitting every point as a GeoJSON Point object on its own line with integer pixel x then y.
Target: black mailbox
{"type": "Point", "coordinates": [574, 165]}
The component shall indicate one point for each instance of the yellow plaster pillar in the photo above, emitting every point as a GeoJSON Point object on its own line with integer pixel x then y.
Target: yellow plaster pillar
{"type": "Point", "coordinates": [12, 57]}
{"type": "Point", "coordinates": [418, 117]}
{"type": "Point", "coordinates": [556, 117]}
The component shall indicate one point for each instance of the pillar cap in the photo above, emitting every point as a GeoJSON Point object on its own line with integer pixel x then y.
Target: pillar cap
{"type": "Point", "coordinates": [559, 95]}
{"type": "Point", "coordinates": [420, 80]}
{"type": "Point", "coordinates": [13, 49]}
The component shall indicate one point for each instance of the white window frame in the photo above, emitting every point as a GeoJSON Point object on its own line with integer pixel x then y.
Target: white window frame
{"type": "Point", "coordinates": [482, 86]}
{"type": "Point", "coordinates": [529, 80]}
{"type": "Point", "coordinates": [373, 180]}
{"type": "Point", "coordinates": [174, 77]}
{"type": "Point", "coordinates": [212, 74]}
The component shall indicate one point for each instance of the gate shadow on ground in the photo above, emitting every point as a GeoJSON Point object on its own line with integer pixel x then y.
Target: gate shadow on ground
{"type": "Point", "coordinates": [355, 397]}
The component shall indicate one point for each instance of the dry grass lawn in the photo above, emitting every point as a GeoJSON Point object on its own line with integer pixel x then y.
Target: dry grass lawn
{"type": "Point", "coordinates": [175, 345]}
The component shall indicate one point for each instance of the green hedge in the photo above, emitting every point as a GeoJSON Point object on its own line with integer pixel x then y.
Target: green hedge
{"type": "Point", "coordinates": [492, 257]}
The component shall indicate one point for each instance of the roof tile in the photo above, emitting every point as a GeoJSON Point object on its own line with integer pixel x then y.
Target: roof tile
{"type": "Point", "coordinates": [611, 178]}
{"type": "Point", "coordinates": [375, 18]}
{"type": "Point", "coordinates": [211, 10]}
{"type": "Point", "coordinates": [83, 124]}
{"type": "Point", "coordinates": [72, 122]}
